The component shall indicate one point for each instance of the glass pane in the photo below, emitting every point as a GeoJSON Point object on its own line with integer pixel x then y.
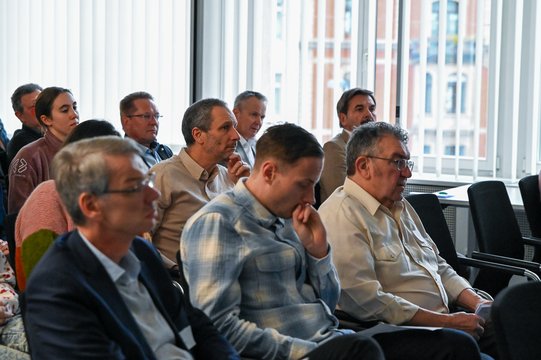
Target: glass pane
{"type": "Point", "coordinates": [447, 101]}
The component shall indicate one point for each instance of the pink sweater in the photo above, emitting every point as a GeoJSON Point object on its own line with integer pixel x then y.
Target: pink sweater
{"type": "Point", "coordinates": [42, 210]}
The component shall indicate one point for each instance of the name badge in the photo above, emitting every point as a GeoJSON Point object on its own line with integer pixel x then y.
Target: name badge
{"type": "Point", "coordinates": [187, 337]}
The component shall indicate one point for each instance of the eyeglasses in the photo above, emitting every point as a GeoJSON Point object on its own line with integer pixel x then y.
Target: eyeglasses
{"type": "Point", "coordinates": [148, 180]}
{"type": "Point", "coordinates": [146, 117]}
{"type": "Point", "coordinates": [400, 164]}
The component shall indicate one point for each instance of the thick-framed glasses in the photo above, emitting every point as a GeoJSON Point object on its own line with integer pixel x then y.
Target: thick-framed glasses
{"type": "Point", "coordinates": [148, 180]}
{"type": "Point", "coordinates": [400, 164]}
{"type": "Point", "coordinates": [145, 117]}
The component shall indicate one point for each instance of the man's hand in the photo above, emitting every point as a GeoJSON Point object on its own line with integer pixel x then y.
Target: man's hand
{"type": "Point", "coordinates": [470, 323]}
{"type": "Point", "coordinates": [6, 311]}
{"type": "Point", "coordinates": [4, 247]}
{"type": "Point", "coordinates": [236, 168]}
{"type": "Point", "coordinates": [308, 225]}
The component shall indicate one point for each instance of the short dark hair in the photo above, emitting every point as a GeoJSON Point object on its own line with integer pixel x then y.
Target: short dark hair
{"type": "Point", "coordinates": [21, 91]}
{"type": "Point", "coordinates": [198, 115]}
{"type": "Point", "coordinates": [287, 143]}
{"type": "Point", "coordinates": [45, 100]}
{"type": "Point", "coordinates": [126, 104]}
{"type": "Point", "coordinates": [90, 129]}
{"type": "Point", "coordinates": [343, 103]}
{"type": "Point", "coordinates": [364, 141]}
{"type": "Point", "coordinates": [245, 95]}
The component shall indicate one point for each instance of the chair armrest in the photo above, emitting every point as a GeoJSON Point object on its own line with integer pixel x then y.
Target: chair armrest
{"type": "Point", "coordinates": [531, 240]}
{"type": "Point", "coordinates": [529, 265]}
{"type": "Point", "coordinates": [483, 264]}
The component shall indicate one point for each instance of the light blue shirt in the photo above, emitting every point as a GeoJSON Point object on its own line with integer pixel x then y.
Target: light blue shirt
{"type": "Point", "coordinates": [152, 324]}
{"type": "Point", "coordinates": [151, 155]}
{"type": "Point", "coordinates": [249, 272]}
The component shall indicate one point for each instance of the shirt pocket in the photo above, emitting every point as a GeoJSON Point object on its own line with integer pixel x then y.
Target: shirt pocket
{"type": "Point", "coordinates": [275, 275]}
{"type": "Point", "coordinates": [390, 252]}
{"type": "Point", "coordinates": [425, 253]}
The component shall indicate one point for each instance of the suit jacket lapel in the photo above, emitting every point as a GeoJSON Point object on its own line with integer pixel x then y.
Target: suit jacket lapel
{"type": "Point", "coordinates": [101, 282]}
{"type": "Point", "coordinates": [242, 153]}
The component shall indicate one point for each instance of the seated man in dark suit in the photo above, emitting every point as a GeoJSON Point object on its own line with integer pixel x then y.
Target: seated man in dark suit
{"type": "Point", "coordinates": [101, 291]}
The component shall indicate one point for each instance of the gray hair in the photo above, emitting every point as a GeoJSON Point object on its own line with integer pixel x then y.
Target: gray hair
{"type": "Point", "coordinates": [80, 168]}
{"type": "Point", "coordinates": [248, 94]}
{"type": "Point", "coordinates": [198, 116]}
{"type": "Point", "coordinates": [364, 141]}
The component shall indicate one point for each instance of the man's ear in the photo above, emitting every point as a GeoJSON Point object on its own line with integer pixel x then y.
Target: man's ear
{"type": "Point", "coordinates": [236, 111]}
{"type": "Point", "coordinates": [362, 166]}
{"type": "Point", "coordinates": [123, 120]}
{"type": "Point", "coordinates": [18, 114]}
{"type": "Point", "coordinates": [89, 205]}
{"type": "Point", "coordinates": [342, 118]}
{"type": "Point", "coordinates": [198, 135]}
{"type": "Point", "coordinates": [269, 169]}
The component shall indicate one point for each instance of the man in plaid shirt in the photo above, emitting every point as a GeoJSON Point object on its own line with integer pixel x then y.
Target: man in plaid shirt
{"type": "Point", "coordinates": [258, 263]}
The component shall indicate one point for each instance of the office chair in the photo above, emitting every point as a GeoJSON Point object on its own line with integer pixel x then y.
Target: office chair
{"type": "Point", "coordinates": [517, 321]}
{"type": "Point", "coordinates": [529, 190]}
{"type": "Point", "coordinates": [498, 233]}
{"type": "Point", "coordinates": [492, 277]}
{"type": "Point", "coordinates": [182, 280]}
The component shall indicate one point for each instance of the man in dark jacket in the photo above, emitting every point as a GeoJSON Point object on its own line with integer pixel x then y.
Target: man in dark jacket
{"type": "Point", "coordinates": [101, 291]}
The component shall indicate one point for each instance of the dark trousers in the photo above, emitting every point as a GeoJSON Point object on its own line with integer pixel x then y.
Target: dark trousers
{"type": "Point", "coordinates": [444, 344]}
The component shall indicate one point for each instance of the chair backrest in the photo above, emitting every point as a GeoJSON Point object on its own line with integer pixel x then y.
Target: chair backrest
{"type": "Point", "coordinates": [182, 280]}
{"type": "Point", "coordinates": [429, 209]}
{"type": "Point", "coordinates": [529, 190]}
{"type": "Point", "coordinates": [494, 220]}
{"type": "Point", "coordinates": [496, 228]}
{"type": "Point", "coordinates": [516, 314]}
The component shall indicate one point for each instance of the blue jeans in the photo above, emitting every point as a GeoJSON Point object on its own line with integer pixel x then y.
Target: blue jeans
{"type": "Point", "coordinates": [13, 344]}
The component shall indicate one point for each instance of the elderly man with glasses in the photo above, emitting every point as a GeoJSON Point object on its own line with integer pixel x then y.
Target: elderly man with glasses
{"type": "Point", "coordinates": [140, 120]}
{"type": "Point", "coordinates": [389, 267]}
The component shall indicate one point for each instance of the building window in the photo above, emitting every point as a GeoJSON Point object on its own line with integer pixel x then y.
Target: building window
{"type": "Point", "coordinates": [451, 97]}
{"type": "Point", "coordinates": [428, 95]}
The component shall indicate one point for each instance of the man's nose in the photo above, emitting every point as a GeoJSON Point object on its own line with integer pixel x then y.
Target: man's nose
{"type": "Point", "coordinates": [235, 134]}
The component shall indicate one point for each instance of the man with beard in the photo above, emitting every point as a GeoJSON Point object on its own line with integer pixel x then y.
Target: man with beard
{"type": "Point", "coordinates": [187, 181]}
{"type": "Point", "coordinates": [354, 108]}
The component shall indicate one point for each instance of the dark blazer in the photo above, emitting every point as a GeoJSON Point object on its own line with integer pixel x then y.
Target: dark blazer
{"type": "Point", "coordinates": [243, 156]}
{"type": "Point", "coordinates": [334, 168]}
{"type": "Point", "coordinates": [72, 309]}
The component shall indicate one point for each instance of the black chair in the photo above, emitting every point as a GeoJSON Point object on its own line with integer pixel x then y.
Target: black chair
{"type": "Point", "coordinates": [431, 214]}
{"type": "Point", "coordinates": [498, 233]}
{"type": "Point", "coordinates": [182, 279]}
{"type": "Point", "coordinates": [516, 314]}
{"type": "Point", "coordinates": [529, 190]}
